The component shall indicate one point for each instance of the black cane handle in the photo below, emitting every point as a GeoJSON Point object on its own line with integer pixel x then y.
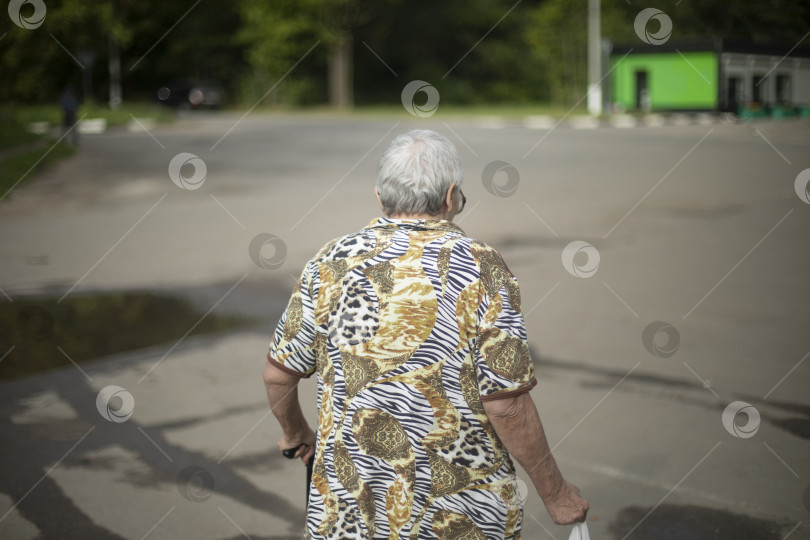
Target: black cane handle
{"type": "Point", "coordinates": [289, 453]}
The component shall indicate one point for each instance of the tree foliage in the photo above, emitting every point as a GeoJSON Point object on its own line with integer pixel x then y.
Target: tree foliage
{"type": "Point", "coordinates": [473, 51]}
{"type": "Point", "coordinates": [37, 63]}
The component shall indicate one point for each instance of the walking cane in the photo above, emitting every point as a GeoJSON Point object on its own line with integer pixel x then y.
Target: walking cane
{"type": "Point", "coordinates": [290, 454]}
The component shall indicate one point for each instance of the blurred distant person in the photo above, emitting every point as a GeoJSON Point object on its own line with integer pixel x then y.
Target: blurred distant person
{"type": "Point", "coordinates": [417, 337]}
{"type": "Point", "coordinates": [69, 103]}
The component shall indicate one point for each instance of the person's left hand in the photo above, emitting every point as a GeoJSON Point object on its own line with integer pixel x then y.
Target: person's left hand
{"type": "Point", "coordinates": [305, 442]}
{"type": "Point", "coordinates": [566, 506]}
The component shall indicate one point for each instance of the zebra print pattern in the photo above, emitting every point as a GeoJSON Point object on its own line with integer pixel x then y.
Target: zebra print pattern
{"type": "Point", "coordinates": [409, 325]}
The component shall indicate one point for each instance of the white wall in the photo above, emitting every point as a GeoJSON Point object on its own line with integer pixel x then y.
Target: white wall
{"type": "Point", "coordinates": [747, 66]}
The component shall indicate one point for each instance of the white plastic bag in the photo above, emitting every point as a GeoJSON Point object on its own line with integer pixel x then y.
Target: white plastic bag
{"type": "Point", "coordinates": [580, 532]}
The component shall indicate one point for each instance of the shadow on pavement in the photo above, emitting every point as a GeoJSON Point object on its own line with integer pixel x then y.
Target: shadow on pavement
{"type": "Point", "coordinates": [30, 450]}
{"type": "Point", "coordinates": [679, 522]}
{"type": "Point", "coordinates": [606, 377]}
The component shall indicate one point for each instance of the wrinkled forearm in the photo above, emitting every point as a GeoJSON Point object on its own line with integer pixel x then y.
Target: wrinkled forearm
{"type": "Point", "coordinates": [518, 425]}
{"type": "Point", "coordinates": [286, 408]}
{"type": "Point", "coordinates": [282, 395]}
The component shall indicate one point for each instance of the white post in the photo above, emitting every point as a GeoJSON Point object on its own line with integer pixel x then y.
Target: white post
{"type": "Point", "coordinates": [594, 59]}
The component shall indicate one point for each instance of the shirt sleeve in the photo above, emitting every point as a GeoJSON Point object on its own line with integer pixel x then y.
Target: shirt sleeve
{"type": "Point", "coordinates": [503, 364]}
{"type": "Point", "coordinates": [293, 348]}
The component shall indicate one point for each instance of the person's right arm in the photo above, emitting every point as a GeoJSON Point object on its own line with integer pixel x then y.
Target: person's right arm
{"type": "Point", "coordinates": [282, 394]}
{"type": "Point", "coordinates": [518, 425]}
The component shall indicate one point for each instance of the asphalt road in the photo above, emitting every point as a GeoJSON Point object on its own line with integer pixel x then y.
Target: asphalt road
{"type": "Point", "coordinates": [693, 295]}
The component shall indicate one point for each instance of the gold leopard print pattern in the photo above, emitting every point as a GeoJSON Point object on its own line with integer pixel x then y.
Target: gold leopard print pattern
{"type": "Point", "coordinates": [409, 325]}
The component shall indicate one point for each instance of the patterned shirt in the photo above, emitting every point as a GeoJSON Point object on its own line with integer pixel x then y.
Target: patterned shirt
{"type": "Point", "coordinates": [410, 326]}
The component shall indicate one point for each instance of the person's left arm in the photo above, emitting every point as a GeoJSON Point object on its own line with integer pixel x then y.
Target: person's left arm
{"type": "Point", "coordinates": [282, 395]}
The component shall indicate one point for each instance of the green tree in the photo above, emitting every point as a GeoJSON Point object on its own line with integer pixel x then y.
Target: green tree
{"type": "Point", "coordinates": [369, 50]}
{"type": "Point", "coordinates": [279, 34]}
{"type": "Point", "coordinates": [472, 50]}
{"type": "Point", "coordinates": [37, 63]}
{"type": "Point", "coordinates": [557, 34]}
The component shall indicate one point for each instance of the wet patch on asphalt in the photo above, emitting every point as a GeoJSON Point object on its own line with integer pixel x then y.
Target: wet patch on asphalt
{"type": "Point", "coordinates": [43, 333]}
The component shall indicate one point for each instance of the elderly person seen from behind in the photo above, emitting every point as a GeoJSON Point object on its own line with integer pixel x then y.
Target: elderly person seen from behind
{"type": "Point", "coordinates": [416, 334]}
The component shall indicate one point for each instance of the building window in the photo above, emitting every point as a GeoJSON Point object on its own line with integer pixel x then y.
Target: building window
{"type": "Point", "coordinates": [783, 89]}
{"type": "Point", "coordinates": [759, 90]}
{"type": "Point", "coordinates": [735, 93]}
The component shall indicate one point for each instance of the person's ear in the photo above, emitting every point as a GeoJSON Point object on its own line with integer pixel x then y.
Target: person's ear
{"type": "Point", "coordinates": [448, 198]}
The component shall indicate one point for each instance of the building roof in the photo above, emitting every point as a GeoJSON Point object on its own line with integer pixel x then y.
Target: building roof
{"type": "Point", "coordinates": [717, 45]}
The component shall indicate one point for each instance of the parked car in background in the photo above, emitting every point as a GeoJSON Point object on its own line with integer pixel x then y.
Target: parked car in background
{"type": "Point", "coordinates": [192, 94]}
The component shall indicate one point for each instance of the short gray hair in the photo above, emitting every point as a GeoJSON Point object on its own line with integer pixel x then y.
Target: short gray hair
{"type": "Point", "coordinates": [415, 171]}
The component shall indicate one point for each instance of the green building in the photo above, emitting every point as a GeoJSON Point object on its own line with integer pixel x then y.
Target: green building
{"type": "Point", "coordinates": [712, 76]}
